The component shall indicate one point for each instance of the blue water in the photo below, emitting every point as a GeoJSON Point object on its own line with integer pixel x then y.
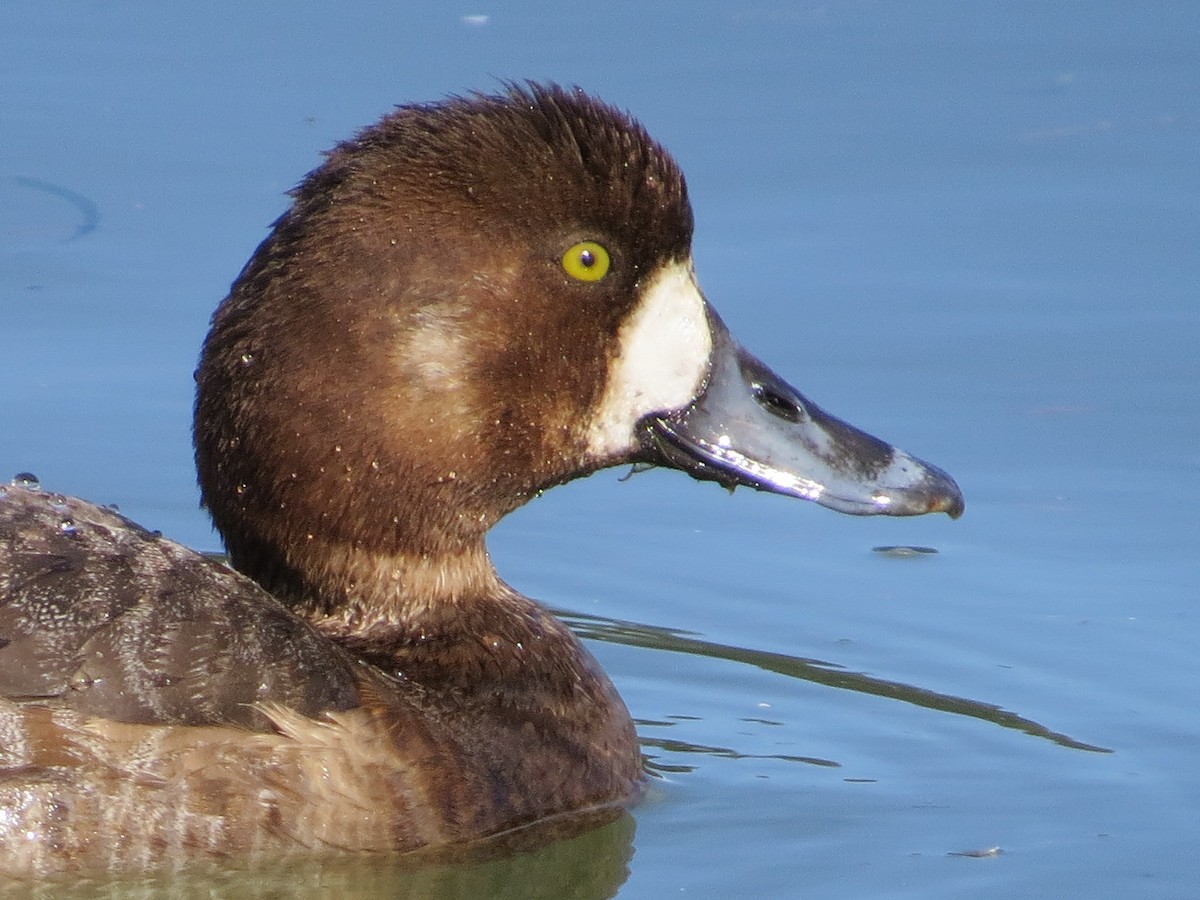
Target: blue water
{"type": "Point", "coordinates": [969, 228]}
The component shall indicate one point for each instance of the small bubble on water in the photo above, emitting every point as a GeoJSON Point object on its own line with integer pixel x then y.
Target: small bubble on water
{"type": "Point", "coordinates": [26, 480]}
{"type": "Point", "coordinates": [903, 552]}
{"type": "Point", "coordinates": [982, 853]}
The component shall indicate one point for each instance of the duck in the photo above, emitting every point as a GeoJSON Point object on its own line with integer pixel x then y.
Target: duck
{"type": "Point", "coordinates": [471, 301]}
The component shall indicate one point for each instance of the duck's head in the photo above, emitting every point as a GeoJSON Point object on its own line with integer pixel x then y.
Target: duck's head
{"type": "Point", "coordinates": [468, 303]}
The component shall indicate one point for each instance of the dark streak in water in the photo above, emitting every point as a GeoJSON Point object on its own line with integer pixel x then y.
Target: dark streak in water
{"type": "Point", "coordinates": [677, 747]}
{"type": "Point", "coordinates": [633, 634]}
{"type": "Point", "coordinates": [89, 212]}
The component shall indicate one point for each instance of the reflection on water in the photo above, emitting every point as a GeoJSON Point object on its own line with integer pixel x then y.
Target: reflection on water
{"type": "Point", "coordinates": [817, 671]}
{"type": "Point", "coordinates": [85, 213]}
{"type": "Point", "coordinates": [570, 859]}
{"type": "Point", "coordinates": [632, 634]}
{"type": "Point", "coordinates": [669, 746]}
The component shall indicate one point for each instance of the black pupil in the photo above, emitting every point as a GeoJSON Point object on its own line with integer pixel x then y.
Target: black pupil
{"type": "Point", "coordinates": [587, 258]}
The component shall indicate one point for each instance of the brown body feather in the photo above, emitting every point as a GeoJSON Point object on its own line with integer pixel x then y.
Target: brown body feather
{"type": "Point", "coordinates": [450, 740]}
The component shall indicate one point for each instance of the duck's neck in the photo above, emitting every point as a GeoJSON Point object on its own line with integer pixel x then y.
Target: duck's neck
{"type": "Point", "coordinates": [364, 589]}
{"type": "Point", "coordinates": [396, 608]}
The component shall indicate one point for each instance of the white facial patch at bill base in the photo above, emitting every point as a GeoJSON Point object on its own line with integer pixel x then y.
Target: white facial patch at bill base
{"type": "Point", "coordinates": [661, 363]}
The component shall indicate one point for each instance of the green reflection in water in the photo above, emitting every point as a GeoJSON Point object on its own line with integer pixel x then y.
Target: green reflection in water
{"type": "Point", "coordinates": [573, 858]}
{"type": "Point", "coordinates": [633, 634]}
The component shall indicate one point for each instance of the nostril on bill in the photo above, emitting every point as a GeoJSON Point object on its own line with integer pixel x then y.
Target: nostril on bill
{"type": "Point", "coordinates": [776, 403]}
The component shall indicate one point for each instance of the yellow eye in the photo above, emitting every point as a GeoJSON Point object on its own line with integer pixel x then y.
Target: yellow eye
{"type": "Point", "coordinates": [587, 261]}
